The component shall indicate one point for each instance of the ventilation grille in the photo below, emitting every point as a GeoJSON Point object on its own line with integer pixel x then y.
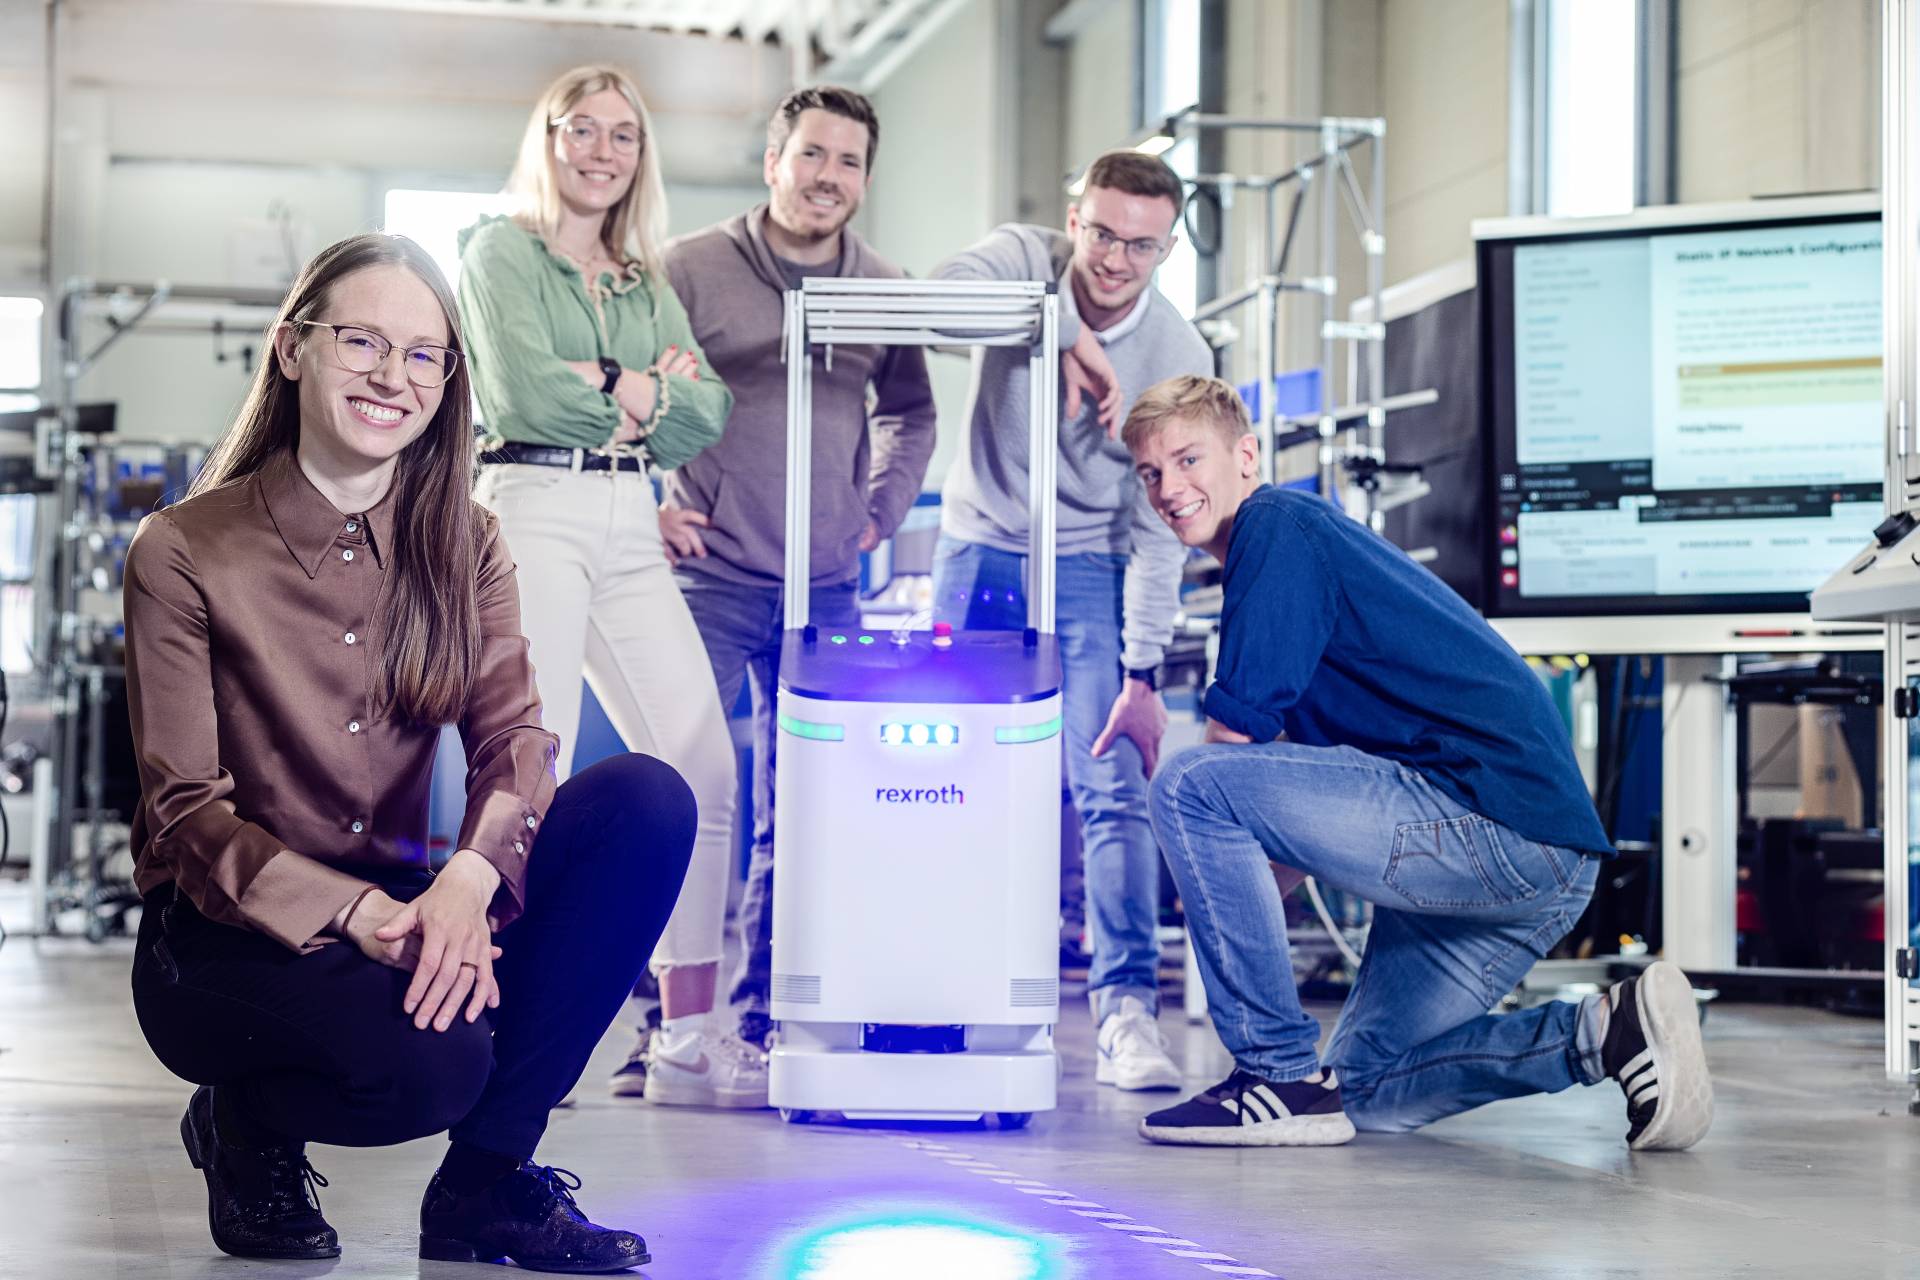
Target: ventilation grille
{"type": "Point", "coordinates": [1033, 993]}
{"type": "Point", "coordinates": [797, 988]}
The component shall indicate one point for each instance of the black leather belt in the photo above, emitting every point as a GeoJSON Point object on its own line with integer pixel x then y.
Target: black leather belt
{"type": "Point", "coordinates": [544, 455]}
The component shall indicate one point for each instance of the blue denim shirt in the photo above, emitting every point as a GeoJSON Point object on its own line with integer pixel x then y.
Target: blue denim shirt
{"type": "Point", "coordinates": [1330, 634]}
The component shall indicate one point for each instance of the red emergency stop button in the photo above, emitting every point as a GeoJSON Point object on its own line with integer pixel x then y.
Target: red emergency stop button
{"type": "Point", "coordinates": [943, 635]}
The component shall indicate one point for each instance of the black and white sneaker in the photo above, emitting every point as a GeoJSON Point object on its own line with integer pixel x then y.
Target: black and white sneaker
{"type": "Point", "coordinates": [1652, 1047]}
{"type": "Point", "coordinates": [630, 1080]}
{"type": "Point", "coordinates": [1245, 1110]}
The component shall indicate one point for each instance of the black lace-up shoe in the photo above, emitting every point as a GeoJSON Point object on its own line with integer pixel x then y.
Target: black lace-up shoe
{"type": "Point", "coordinates": [260, 1203]}
{"type": "Point", "coordinates": [529, 1216]}
{"type": "Point", "coordinates": [1652, 1047]}
{"type": "Point", "coordinates": [1245, 1110]}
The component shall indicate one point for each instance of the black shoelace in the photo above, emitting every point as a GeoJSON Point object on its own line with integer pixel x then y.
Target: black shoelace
{"type": "Point", "coordinates": [293, 1184]}
{"type": "Point", "coordinates": [1235, 1085]}
{"type": "Point", "coordinates": [558, 1183]}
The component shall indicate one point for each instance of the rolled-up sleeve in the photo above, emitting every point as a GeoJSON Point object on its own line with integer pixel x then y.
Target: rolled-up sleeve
{"type": "Point", "coordinates": [525, 389]}
{"type": "Point", "coordinates": [510, 779]}
{"type": "Point", "coordinates": [234, 871]}
{"type": "Point", "coordinates": [697, 408]}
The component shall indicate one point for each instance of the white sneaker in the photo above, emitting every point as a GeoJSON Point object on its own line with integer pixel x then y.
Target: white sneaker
{"type": "Point", "coordinates": [699, 1067]}
{"type": "Point", "coordinates": [1132, 1052]}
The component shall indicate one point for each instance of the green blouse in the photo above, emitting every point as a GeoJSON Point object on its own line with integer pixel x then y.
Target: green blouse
{"type": "Point", "coordinates": [526, 311]}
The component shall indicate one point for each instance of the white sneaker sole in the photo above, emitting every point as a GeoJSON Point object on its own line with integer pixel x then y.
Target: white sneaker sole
{"type": "Point", "coordinates": [1295, 1131]}
{"type": "Point", "coordinates": [1671, 1021]}
{"type": "Point", "coordinates": [666, 1092]}
{"type": "Point", "coordinates": [1161, 1075]}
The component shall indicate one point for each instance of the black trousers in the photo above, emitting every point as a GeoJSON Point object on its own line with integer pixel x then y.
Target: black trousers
{"type": "Point", "coordinates": [317, 1047]}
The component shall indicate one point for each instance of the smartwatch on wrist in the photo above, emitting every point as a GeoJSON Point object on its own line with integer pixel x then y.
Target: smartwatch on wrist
{"type": "Point", "coordinates": [1150, 676]}
{"type": "Point", "coordinates": [611, 368]}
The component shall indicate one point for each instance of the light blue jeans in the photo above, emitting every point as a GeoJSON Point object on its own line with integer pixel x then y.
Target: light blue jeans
{"type": "Point", "coordinates": [983, 589]}
{"type": "Point", "coordinates": [1463, 907]}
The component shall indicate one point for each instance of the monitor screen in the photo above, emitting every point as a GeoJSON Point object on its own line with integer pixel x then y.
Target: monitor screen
{"type": "Point", "coordinates": [1680, 418]}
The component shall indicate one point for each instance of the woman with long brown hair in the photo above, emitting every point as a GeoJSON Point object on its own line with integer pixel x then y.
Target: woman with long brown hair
{"type": "Point", "coordinates": [587, 374]}
{"type": "Point", "coordinates": [299, 629]}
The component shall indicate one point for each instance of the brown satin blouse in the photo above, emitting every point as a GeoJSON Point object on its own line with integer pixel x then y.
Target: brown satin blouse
{"type": "Point", "coordinates": [272, 790]}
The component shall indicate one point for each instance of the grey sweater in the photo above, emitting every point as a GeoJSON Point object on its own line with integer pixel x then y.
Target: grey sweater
{"type": "Point", "coordinates": [1102, 505]}
{"type": "Point", "coordinates": [867, 463]}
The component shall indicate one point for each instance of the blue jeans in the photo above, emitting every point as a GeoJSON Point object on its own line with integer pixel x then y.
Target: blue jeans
{"type": "Point", "coordinates": [1463, 907]}
{"type": "Point", "coordinates": [981, 588]}
{"type": "Point", "coordinates": [742, 626]}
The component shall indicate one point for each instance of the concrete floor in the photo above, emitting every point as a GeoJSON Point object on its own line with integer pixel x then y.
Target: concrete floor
{"type": "Point", "coordinates": [1811, 1171]}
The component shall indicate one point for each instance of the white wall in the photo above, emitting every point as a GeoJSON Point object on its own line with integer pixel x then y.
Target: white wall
{"type": "Point", "coordinates": [1099, 94]}
{"type": "Point", "coordinates": [1443, 86]}
{"type": "Point", "coordinates": [1777, 98]}
{"type": "Point", "coordinates": [938, 184]}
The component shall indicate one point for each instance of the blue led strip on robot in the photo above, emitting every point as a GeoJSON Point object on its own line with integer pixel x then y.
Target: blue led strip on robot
{"type": "Point", "coordinates": [808, 729]}
{"type": "Point", "coordinates": [1028, 732]}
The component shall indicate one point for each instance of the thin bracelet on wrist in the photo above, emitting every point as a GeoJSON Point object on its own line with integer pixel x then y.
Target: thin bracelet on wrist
{"type": "Point", "coordinates": [662, 401]}
{"type": "Point", "coordinates": [348, 918]}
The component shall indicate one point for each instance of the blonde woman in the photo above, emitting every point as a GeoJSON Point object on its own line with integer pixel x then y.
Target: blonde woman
{"type": "Point", "coordinates": [586, 371]}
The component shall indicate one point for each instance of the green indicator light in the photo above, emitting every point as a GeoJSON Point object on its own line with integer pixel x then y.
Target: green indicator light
{"type": "Point", "coordinates": [866, 639]}
{"type": "Point", "coordinates": [1028, 732]}
{"type": "Point", "coordinates": [839, 639]}
{"type": "Point", "coordinates": [808, 729]}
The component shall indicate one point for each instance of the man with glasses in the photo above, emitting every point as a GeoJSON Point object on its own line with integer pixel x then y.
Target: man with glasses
{"type": "Point", "coordinates": [1119, 566]}
{"type": "Point", "coordinates": [723, 520]}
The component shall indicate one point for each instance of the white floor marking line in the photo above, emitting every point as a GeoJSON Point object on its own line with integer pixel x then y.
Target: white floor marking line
{"type": "Point", "coordinates": [1113, 1220]}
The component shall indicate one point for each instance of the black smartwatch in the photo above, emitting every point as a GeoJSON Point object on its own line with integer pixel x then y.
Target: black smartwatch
{"type": "Point", "coordinates": [1148, 675]}
{"type": "Point", "coordinates": [611, 368]}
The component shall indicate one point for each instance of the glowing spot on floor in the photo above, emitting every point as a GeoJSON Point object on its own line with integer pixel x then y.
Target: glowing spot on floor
{"type": "Point", "coordinates": [925, 1248]}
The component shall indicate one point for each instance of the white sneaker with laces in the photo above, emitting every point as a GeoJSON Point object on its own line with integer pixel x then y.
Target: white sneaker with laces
{"type": "Point", "coordinates": [1132, 1051]}
{"type": "Point", "coordinates": [696, 1066]}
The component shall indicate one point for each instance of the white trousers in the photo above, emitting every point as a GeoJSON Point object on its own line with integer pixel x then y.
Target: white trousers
{"type": "Point", "coordinates": [598, 599]}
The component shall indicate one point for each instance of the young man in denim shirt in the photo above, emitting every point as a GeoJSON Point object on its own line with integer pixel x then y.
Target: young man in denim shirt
{"type": "Point", "coordinates": [1367, 728]}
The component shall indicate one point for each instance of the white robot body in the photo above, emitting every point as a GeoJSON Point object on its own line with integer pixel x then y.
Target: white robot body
{"type": "Point", "coordinates": [917, 841]}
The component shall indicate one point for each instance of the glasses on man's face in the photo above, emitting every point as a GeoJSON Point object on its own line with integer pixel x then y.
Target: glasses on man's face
{"type": "Point", "coordinates": [583, 133]}
{"type": "Point", "coordinates": [1101, 241]}
{"type": "Point", "coordinates": [363, 351]}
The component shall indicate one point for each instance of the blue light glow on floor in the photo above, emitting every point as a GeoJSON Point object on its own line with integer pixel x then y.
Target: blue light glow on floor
{"type": "Point", "coordinates": [923, 1246]}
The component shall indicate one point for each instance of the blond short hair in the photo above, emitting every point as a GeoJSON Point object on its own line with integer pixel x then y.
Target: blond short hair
{"type": "Point", "coordinates": [1212, 401]}
{"type": "Point", "coordinates": [636, 227]}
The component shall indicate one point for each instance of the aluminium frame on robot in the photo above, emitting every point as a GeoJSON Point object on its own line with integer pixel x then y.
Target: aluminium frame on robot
{"type": "Point", "coordinates": [828, 311]}
{"type": "Point", "coordinates": [1900, 267]}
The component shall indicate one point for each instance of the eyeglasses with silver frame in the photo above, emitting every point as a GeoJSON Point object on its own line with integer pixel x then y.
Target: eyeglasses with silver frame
{"type": "Point", "coordinates": [583, 133]}
{"type": "Point", "coordinates": [362, 351]}
{"type": "Point", "coordinates": [1102, 241]}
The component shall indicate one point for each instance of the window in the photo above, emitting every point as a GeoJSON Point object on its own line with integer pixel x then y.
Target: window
{"type": "Point", "coordinates": [1587, 57]}
{"type": "Point", "coordinates": [20, 344]}
{"type": "Point", "coordinates": [1171, 77]}
{"type": "Point", "coordinates": [435, 220]}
